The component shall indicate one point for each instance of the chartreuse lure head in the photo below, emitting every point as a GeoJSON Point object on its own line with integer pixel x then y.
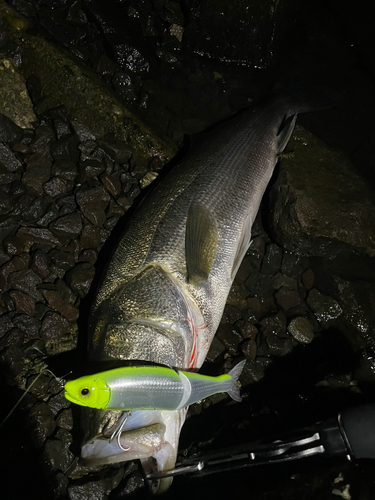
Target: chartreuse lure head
{"type": "Point", "coordinates": [90, 390]}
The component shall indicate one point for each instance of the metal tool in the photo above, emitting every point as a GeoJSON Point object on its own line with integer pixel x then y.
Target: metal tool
{"type": "Point", "coordinates": [351, 433]}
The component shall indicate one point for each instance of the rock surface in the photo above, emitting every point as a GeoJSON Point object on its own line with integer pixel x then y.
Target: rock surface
{"type": "Point", "coordinates": [319, 203]}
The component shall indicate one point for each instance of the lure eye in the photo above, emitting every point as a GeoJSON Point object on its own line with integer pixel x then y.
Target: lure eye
{"type": "Point", "coordinates": [85, 391]}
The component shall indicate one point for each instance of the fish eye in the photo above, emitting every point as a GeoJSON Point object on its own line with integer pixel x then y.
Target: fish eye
{"type": "Point", "coordinates": [85, 391]}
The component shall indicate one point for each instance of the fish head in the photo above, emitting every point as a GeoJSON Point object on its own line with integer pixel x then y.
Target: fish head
{"type": "Point", "coordinates": [148, 435]}
{"type": "Point", "coordinates": [91, 391]}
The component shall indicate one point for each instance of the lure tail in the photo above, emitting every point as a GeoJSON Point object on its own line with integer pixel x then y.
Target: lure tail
{"type": "Point", "coordinates": [234, 391]}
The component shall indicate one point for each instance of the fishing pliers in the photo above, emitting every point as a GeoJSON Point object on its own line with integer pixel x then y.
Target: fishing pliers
{"type": "Point", "coordinates": [351, 433]}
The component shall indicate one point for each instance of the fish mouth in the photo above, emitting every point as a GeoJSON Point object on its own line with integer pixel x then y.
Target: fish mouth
{"type": "Point", "coordinates": [149, 435]}
{"type": "Point", "coordinates": [73, 399]}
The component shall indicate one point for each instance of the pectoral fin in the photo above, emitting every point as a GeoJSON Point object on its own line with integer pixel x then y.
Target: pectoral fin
{"type": "Point", "coordinates": [200, 242]}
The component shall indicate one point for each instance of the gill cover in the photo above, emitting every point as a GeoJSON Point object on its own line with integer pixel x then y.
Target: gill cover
{"type": "Point", "coordinates": [88, 391]}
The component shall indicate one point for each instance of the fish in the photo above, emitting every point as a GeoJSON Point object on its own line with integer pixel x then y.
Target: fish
{"type": "Point", "coordinates": [165, 286]}
{"type": "Point", "coordinates": [149, 388]}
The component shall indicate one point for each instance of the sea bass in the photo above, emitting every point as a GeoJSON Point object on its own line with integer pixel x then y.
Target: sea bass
{"type": "Point", "coordinates": [166, 284]}
{"type": "Point", "coordinates": [149, 388]}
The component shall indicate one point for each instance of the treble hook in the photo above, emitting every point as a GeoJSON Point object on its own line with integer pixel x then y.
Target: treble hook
{"type": "Point", "coordinates": [118, 430]}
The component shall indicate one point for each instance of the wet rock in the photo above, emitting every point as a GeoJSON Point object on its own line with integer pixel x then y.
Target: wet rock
{"type": "Point", "coordinates": [92, 236]}
{"type": "Point", "coordinates": [125, 203]}
{"type": "Point", "coordinates": [6, 323]}
{"type": "Point", "coordinates": [67, 204]}
{"type": "Point", "coordinates": [93, 203]}
{"type": "Point", "coordinates": [3, 257]}
{"type": "Point", "coordinates": [56, 453]}
{"type": "Point", "coordinates": [117, 150]}
{"type": "Point", "coordinates": [308, 278]}
{"type": "Point", "coordinates": [287, 299]}
{"type": "Point", "coordinates": [7, 301]}
{"type": "Point", "coordinates": [279, 346]}
{"type": "Point", "coordinates": [65, 419]}
{"type": "Point", "coordinates": [282, 280]}
{"type": "Point", "coordinates": [20, 204]}
{"type": "Point", "coordinates": [8, 160]}
{"type": "Point", "coordinates": [112, 183]}
{"type": "Point", "coordinates": [9, 131]}
{"type": "Point", "coordinates": [321, 203]}
{"type": "Point", "coordinates": [69, 225]}
{"type": "Point", "coordinates": [325, 308]}
{"type": "Point", "coordinates": [36, 174]}
{"type": "Point", "coordinates": [90, 169]}
{"type": "Point", "coordinates": [246, 329]}
{"type": "Point", "coordinates": [31, 235]}
{"type": "Point", "coordinates": [237, 296]}
{"type": "Point", "coordinates": [26, 282]}
{"type": "Point", "coordinates": [56, 301]}
{"type": "Point", "coordinates": [66, 148]}
{"type": "Point", "coordinates": [35, 210]}
{"type": "Point", "coordinates": [15, 102]}
{"type": "Point", "coordinates": [6, 202]}
{"type": "Point", "coordinates": [293, 264]}
{"type": "Point", "coordinates": [62, 260]}
{"type": "Point", "coordinates": [147, 179]}
{"type": "Point", "coordinates": [17, 263]}
{"type": "Point", "coordinates": [50, 215]}
{"type": "Point", "coordinates": [229, 337]}
{"type": "Point", "coordinates": [23, 302]}
{"type": "Point", "coordinates": [302, 330]}
{"type": "Point", "coordinates": [40, 263]}
{"type": "Point", "coordinates": [66, 293]}
{"type": "Point", "coordinates": [29, 325]}
{"type": "Point", "coordinates": [12, 359]}
{"type": "Point", "coordinates": [274, 325]}
{"type": "Point", "coordinates": [215, 350]}
{"type": "Point", "coordinates": [14, 337]}
{"type": "Point", "coordinates": [96, 490]}
{"type": "Point", "coordinates": [272, 259]}
{"type": "Point", "coordinates": [58, 484]}
{"type": "Point", "coordinates": [110, 223]}
{"type": "Point", "coordinates": [38, 385]}
{"type": "Point", "coordinates": [88, 101]}
{"type": "Point", "coordinates": [88, 256]}
{"type": "Point", "coordinates": [13, 246]}
{"type": "Point", "coordinates": [58, 403]}
{"type": "Point", "coordinates": [231, 314]}
{"type": "Point", "coordinates": [65, 169]}
{"type": "Point", "coordinates": [80, 277]}
{"type": "Point", "coordinates": [58, 334]}
{"type": "Point", "coordinates": [134, 483]}
{"type": "Point", "coordinates": [56, 186]}
{"type": "Point", "coordinates": [249, 348]}
{"type": "Point", "coordinates": [43, 423]}
{"type": "Point", "coordinates": [254, 370]}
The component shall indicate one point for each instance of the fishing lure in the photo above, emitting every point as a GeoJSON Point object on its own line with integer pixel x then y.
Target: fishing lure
{"type": "Point", "coordinates": [149, 388]}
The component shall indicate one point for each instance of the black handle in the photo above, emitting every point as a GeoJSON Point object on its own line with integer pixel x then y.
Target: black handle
{"type": "Point", "coordinates": [357, 426]}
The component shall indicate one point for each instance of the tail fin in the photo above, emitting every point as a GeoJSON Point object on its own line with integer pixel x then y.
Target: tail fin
{"type": "Point", "coordinates": [234, 391]}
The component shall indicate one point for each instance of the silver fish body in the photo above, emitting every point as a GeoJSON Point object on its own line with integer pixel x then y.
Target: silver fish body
{"type": "Point", "coordinates": [165, 287]}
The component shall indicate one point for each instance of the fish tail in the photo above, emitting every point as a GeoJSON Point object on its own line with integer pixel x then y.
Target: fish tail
{"type": "Point", "coordinates": [234, 391]}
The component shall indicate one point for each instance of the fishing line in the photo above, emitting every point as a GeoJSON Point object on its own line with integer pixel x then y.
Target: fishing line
{"type": "Point", "coordinates": [60, 380]}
